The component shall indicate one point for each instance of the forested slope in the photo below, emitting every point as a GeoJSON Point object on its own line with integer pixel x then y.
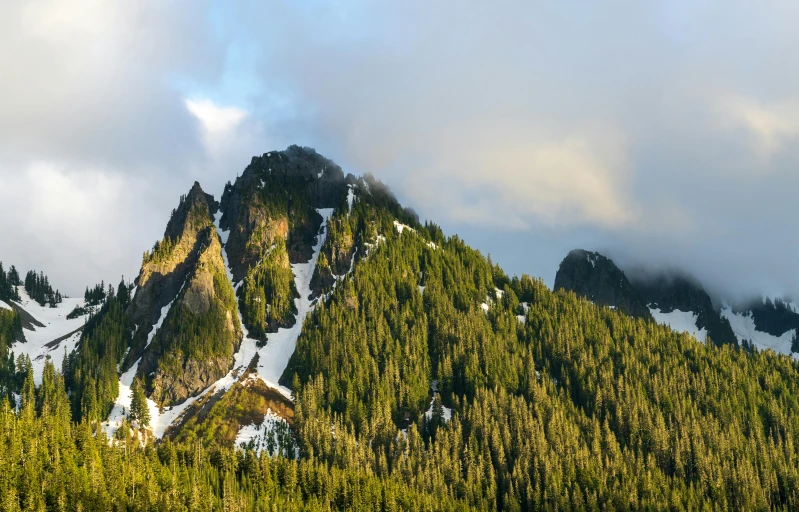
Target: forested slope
{"type": "Point", "coordinates": [424, 378]}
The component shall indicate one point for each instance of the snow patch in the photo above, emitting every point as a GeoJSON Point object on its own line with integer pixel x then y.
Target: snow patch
{"type": "Point", "coordinates": [680, 321]}
{"type": "Point", "coordinates": [446, 412]}
{"type": "Point", "coordinates": [743, 325]}
{"type": "Point", "coordinates": [402, 227]}
{"type": "Point", "coordinates": [274, 357]}
{"type": "Point", "coordinates": [164, 312]}
{"type": "Point", "coordinates": [122, 404]}
{"type": "Point", "coordinates": [3, 305]}
{"type": "Point", "coordinates": [56, 325]}
{"type": "Point", "coordinates": [350, 196]}
{"type": "Point", "coordinates": [272, 436]}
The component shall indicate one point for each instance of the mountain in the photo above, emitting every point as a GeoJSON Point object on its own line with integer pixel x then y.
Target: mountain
{"type": "Point", "coordinates": [303, 342]}
{"type": "Point", "coordinates": [597, 278]}
{"type": "Point", "coordinates": [680, 301]}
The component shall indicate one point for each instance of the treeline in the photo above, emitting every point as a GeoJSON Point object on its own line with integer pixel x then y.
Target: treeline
{"type": "Point", "coordinates": [38, 288]}
{"type": "Point", "coordinates": [162, 249]}
{"type": "Point", "coordinates": [10, 373]}
{"type": "Point", "coordinates": [8, 283]}
{"type": "Point", "coordinates": [96, 295]}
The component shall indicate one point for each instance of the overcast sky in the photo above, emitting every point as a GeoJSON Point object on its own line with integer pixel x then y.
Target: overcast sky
{"type": "Point", "coordinates": [660, 133]}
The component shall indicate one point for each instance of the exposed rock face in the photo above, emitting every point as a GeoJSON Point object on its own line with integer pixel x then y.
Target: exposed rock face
{"type": "Point", "coordinates": [668, 292]}
{"type": "Point", "coordinates": [277, 195]}
{"type": "Point", "coordinates": [271, 213]}
{"type": "Point", "coordinates": [166, 267]}
{"type": "Point", "coordinates": [195, 344]}
{"type": "Point", "coordinates": [598, 279]}
{"type": "Point", "coordinates": [774, 317]}
{"type": "Point", "coordinates": [197, 338]}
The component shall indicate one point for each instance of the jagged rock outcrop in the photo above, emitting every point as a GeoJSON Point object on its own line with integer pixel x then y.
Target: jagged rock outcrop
{"type": "Point", "coordinates": [165, 267]}
{"type": "Point", "coordinates": [196, 340]}
{"type": "Point", "coordinates": [277, 196]}
{"type": "Point", "coordinates": [598, 279]}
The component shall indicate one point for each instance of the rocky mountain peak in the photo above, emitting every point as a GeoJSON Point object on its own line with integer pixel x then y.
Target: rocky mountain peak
{"type": "Point", "coordinates": [194, 211]}
{"type": "Point", "coordinates": [598, 279]}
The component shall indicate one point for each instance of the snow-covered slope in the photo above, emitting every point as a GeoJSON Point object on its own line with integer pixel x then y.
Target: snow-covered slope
{"type": "Point", "coordinates": [743, 325]}
{"type": "Point", "coordinates": [41, 341]}
{"type": "Point", "coordinates": [680, 321]}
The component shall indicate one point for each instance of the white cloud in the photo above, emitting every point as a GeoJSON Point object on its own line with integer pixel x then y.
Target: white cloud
{"type": "Point", "coordinates": [215, 119]}
{"type": "Point", "coordinates": [515, 181]}
{"type": "Point", "coordinates": [769, 126]}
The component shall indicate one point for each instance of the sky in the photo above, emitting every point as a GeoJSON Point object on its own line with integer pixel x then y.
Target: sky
{"type": "Point", "coordinates": [663, 134]}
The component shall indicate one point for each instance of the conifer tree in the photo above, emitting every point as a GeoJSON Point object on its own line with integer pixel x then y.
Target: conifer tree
{"type": "Point", "coordinates": [139, 410]}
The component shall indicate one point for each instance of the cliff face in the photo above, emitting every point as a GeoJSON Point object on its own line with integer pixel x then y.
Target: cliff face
{"type": "Point", "coordinates": [165, 268]}
{"type": "Point", "coordinates": [200, 333]}
{"type": "Point", "coordinates": [184, 309]}
{"type": "Point", "coordinates": [271, 213]}
{"type": "Point", "coordinates": [598, 279]}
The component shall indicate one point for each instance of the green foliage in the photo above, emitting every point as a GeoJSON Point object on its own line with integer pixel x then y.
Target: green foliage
{"type": "Point", "coordinates": [8, 284]}
{"type": "Point", "coordinates": [10, 329]}
{"type": "Point", "coordinates": [39, 289]}
{"type": "Point", "coordinates": [267, 295]}
{"type": "Point", "coordinates": [160, 252]}
{"type": "Point", "coordinates": [51, 463]}
{"type": "Point", "coordinates": [574, 407]}
{"type": "Point", "coordinates": [91, 369]}
{"type": "Point", "coordinates": [77, 311]}
{"type": "Point", "coordinates": [96, 295]}
{"type": "Point", "coordinates": [139, 410]}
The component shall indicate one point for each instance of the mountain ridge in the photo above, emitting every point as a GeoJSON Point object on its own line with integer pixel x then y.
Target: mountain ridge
{"type": "Point", "coordinates": [382, 365]}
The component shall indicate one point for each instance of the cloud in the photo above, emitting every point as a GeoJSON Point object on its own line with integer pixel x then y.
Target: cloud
{"type": "Point", "coordinates": [770, 127]}
{"type": "Point", "coordinates": [222, 132]}
{"type": "Point", "coordinates": [507, 183]}
{"type": "Point", "coordinates": [654, 133]}
{"type": "Point", "coordinates": [96, 145]}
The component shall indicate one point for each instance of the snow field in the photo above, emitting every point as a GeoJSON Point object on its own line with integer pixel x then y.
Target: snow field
{"type": "Point", "coordinates": [56, 325]}
{"type": "Point", "coordinates": [744, 328]}
{"type": "Point", "coordinates": [680, 321]}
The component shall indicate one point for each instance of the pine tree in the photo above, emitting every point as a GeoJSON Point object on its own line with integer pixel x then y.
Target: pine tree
{"type": "Point", "coordinates": [139, 410]}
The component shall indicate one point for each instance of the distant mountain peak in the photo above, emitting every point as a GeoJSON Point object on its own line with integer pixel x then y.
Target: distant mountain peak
{"type": "Point", "coordinates": [598, 279]}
